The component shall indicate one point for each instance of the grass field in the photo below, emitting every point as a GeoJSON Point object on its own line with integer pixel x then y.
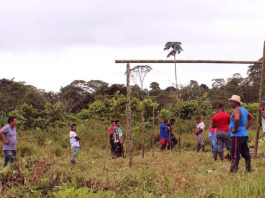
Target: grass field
{"type": "Point", "coordinates": [44, 170]}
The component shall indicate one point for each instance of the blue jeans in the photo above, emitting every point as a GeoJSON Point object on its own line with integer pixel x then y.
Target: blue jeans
{"type": "Point", "coordinates": [213, 141]}
{"type": "Point", "coordinates": [9, 154]}
{"type": "Point", "coordinates": [75, 153]}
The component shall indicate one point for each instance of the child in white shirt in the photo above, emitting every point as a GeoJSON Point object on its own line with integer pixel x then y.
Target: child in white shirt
{"type": "Point", "coordinates": [74, 141]}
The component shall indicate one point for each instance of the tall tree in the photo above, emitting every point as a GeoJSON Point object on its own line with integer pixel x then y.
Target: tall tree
{"type": "Point", "coordinates": [175, 48]}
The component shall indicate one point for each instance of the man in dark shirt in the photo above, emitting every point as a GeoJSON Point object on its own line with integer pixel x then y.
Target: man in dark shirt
{"type": "Point", "coordinates": [172, 138]}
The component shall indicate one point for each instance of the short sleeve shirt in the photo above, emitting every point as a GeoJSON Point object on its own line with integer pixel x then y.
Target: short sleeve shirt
{"type": "Point", "coordinates": [73, 141]}
{"type": "Point", "coordinates": [201, 125]}
{"type": "Point", "coordinates": [117, 132]}
{"type": "Point", "coordinates": [10, 134]}
{"type": "Point", "coordinates": [221, 121]}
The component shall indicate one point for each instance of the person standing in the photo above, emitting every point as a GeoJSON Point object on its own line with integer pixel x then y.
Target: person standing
{"type": "Point", "coordinates": [199, 133]}
{"type": "Point", "coordinates": [9, 140]}
{"type": "Point", "coordinates": [241, 120]}
{"type": "Point", "coordinates": [118, 139]}
{"type": "Point", "coordinates": [164, 135]}
{"type": "Point", "coordinates": [221, 121]}
{"type": "Point", "coordinates": [213, 141]}
{"type": "Point", "coordinates": [74, 141]}
{"type": "Point", "coordinates": [262, 111]}
{"type": "Point", "coordinates": [172, 138]}
{"type": "Point", "coordinates": [111, 138]}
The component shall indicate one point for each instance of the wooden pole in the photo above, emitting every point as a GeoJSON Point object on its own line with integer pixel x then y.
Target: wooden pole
{"type": "Point", "coordinates": [179, 124]}
{"type": "Point", "coordinates": [129, 115]}
{"type": "Point", "coordinates": [261, 93]}
{"type": "Point", "coordinates": [189, 61]}
{"type": "Point", "coordinates": [142, 115]}
{"type": "Point", "coordinates": [153, 132]}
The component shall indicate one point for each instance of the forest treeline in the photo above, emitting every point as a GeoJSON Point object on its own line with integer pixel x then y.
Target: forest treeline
{"type": "Point", "coordinates": [97, 99]}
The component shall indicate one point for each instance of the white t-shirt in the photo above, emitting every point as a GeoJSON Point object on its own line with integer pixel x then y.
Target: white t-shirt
{"type": "Point", "coordinates": [201, 125]}
{"type": "Point", "coordinates": [263, 125]}
{"type": "Point", "coordinates": [73, 141]}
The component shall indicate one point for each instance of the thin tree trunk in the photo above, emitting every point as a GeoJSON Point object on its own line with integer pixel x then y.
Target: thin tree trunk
{"type": "Point", "coordinates": [142, 115]}
{"type": "Point", "coordinates": [179, 125]}
{"type": "Point", "coordinates": [261, 93]}
{"type": "Point", "coordinates": [129, 115]}
{"type": "Point", "coordinates": [153, 131]}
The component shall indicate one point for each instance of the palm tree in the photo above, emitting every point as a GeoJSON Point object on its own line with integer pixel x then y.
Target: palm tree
{"type": "Point", "coordinates": [176, 48]}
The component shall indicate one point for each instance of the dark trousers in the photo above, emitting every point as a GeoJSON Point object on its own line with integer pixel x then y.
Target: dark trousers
{"type": "Point", "coordinates": [172, 142]}
{"type": "Point", "coordinates": [112, 147]}
{"type": "Point", "coordinates": [9, 156]}
{"type": "Point", "coordinates": [240, 146]}
{"type": "Point", "coordinates": [118, 149]}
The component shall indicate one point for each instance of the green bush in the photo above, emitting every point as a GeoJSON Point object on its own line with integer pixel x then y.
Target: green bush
{"type": "Point", "coordinates": [26, 149]}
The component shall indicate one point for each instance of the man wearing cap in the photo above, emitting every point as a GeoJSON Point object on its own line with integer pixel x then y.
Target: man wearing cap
{"type": "Point", "coordinates": [241, 120]}
{"type": "Point", "coordinates": [262, 111]}
{"type": "Point", "coordinates": [221, 121]}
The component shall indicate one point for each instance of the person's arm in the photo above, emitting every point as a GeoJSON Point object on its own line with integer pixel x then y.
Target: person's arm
{"type": "Point", "coordinates": [198, 130]}
{"type": "Point", "coordinates": [1, 137]}
{"type": "Point", "coordinates": [213, 123]}
{"type": "Point", "coordinates": [236, 114]}
{"type": "Point", "coordinates": [250, 120]}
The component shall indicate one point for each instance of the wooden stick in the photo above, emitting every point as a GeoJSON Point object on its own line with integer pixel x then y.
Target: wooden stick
{"type": "Point", "coordinates": [142, 115]}
{"type": "Point", "coordinates": [189, 61]}
{"type": "Point", "coordinates": [153, 131]}
{"type": "Point", "coordinates": [129, 115]}
{"type": "Point", "coordinates": [261, 93]}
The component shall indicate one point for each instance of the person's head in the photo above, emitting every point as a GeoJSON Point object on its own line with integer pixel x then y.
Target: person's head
{"type": "Point", "coordinates": [221, 108]}
{"type": "Point", "coordinates": [235, 101]}
{"type": "Point", "coordinates": [12, 121]}
{"type": "Point", "coordinates": [73, 127]}
{"type": "Point", "coordinates": [113, 122]}
{"type": "Point", "coordinates": [165, 122]}
{"type": "Point", "coordinates": [198, 120]}
{"type": "Point", "coordinates": [118, 123]}
{"type": "Point", "coordinates": [172, 121]}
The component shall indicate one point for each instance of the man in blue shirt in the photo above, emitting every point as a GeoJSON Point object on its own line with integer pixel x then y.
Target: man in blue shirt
{"type": "Point", "coordinates": [241, 120]}
{"type": "Point", "coordinates": [9, 140]}
{"type": "Point", "coordinates": [164, 134]}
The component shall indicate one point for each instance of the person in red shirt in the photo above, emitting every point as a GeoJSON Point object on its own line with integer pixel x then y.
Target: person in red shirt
{"type": "Point", "coordinates": [111, 138]}
{"type": "Point", "coordinates": [221, 121]}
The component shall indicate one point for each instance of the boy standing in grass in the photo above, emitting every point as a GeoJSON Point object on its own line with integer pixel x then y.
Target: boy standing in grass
{"type": "Point", "coordinates": [118, 139]}
{"type": "Point", "coordinates": [199, 133]}
{"type": "Point", "coordinates": [74, 141]}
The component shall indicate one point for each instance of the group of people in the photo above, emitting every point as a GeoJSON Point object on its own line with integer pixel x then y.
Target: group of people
{"type": "Point", "coordinates": [225, 130]}
{"type": "Point", "coordinates": [167, 137]}
{"type": "Point", "coordinates": [115, 138]}
{"type": "Point", "coordinates": [229, 131]}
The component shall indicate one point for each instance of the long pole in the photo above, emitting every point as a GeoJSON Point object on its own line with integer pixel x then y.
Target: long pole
{"type": "Point", "coordinates": [153, 132]}
{"type": "Point", "coordinates": [129, 114]}
{"type": "Point", "coordinates": [142, 116]}
{"type": "Point", "coordinates": [189, 61]}
{"type": "Point", "coordinates": [261, 93]}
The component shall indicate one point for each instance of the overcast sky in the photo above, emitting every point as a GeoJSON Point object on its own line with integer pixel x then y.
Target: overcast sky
{"type": "Point", "coordinates": [49, 44]}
